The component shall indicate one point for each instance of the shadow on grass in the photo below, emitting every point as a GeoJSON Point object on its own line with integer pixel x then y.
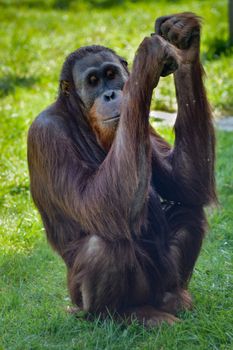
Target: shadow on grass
{"type": "Point", "coordinates": [216, 48]}
{"type": "Point", "coordinates": [13, 190]}
{"type": "Point", "coordinates": [19, 189]}
{"type": "Point", "coordinates": [66, 4]}
{"type": "Point", "coordinates": [103, 3]}
{"type": "Point", "coordinates": [10, 82]}
{"type": "Point", "coordinates": [61, 4]}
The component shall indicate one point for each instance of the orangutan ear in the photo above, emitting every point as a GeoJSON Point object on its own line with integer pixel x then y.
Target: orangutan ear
{"type": "Point", "coordinates": [65, 87]}
{"type": "Point", "coordinates": [124, 64]}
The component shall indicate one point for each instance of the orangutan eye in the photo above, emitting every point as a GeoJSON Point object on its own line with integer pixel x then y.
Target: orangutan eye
{"type": "Point", "coordinates": [93, 80]}
{"type": "Point", "coordinates": [110, 74]}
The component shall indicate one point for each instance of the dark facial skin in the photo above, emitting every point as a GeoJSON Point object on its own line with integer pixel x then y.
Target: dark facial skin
{"type": "Point", "coordinates": [99, 79]}
{"type": "Point", "coordinates": [100, 76]}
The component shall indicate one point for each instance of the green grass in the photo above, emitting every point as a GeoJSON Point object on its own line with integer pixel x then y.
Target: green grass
{"type": "Point", "coordinates": [35, 37]}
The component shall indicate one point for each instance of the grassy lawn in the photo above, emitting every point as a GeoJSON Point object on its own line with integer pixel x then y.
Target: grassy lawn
{"type": "Point", "coordinates": [35, 37]}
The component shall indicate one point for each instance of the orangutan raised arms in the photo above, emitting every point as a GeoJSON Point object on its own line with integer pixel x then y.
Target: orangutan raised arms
{"type": "Point", "coordinates": [122, 208]}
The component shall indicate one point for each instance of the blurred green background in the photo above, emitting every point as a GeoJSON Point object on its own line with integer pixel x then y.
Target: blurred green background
{"type": "Point", "coordinates": [35, 37]}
